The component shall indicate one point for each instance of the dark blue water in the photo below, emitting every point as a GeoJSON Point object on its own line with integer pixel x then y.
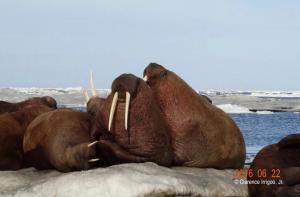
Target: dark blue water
{"type": "Point", "coordinates": [260, 130]}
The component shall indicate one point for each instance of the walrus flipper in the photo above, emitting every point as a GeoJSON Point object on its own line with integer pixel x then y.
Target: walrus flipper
{"type": "Point", "coordinates": [119, 152]}
{"type": "Point", "coordinates": [291, 141]}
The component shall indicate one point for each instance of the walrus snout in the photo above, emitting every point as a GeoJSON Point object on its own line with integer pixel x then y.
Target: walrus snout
{"type": "Point", "coordinates": [123, 87]}
{"type": "Point", "coordinates": [114, 106]}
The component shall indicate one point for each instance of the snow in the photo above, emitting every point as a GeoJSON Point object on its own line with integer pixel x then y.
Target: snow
{"type": "Point", "coordinates": [276, 94]}
{"type": "Point", "coordinates": [264, 112]}
{"type": "Point", "coordinates": [254, 93]}
{"type": "Point", "coordinates": [237, 109]}
{"type": "Point", "coordinates": [146, 179]}
{"type": "Point", "coordinates": [229, 108]}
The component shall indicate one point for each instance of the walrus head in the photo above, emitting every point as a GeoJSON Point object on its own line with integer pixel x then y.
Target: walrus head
{"type": "Point", "coordinates": [153, 72]}
{"type": "Point", "coordinates": [49, 101]}
{"type": "Point", "coordinates": [124, 88]}
{"type": "Point", "coordinates": [46, 100]}
{"type": "Point", "coordinates": [94, 102]}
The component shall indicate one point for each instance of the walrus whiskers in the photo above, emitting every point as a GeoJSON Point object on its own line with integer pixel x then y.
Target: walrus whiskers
{"type": "Point", "coordinates": [112, 110]}
{"type": "Point", "coordinates": [92, 84]}
{"type": "Point", "coordinates": [127, 109]}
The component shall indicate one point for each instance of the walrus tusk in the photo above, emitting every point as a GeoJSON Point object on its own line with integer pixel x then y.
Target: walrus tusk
{"type": "Point", "coordinates": [92, 144]}
{"type": "Point", "coordinates": [94, 160]}
{"type": "Point", "coordinates": [145, 78]}
{"type": "Point", "coordinates": [127, 109]}
{"type": "Point", "coordinates": [112, 110]}
{"type": "Point", "coordinates": [86, 95]}
{"type": "Point", "coordinates": [92, 84]}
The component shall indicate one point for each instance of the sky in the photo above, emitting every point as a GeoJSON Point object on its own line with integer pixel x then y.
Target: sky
{"type": "Point", "coordinates": [219, 45]}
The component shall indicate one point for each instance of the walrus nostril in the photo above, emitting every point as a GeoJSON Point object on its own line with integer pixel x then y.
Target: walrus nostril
{"type": "Point", "coordinates": [127, 109]}
{"type": "Point", "coordinates": [112, 110]}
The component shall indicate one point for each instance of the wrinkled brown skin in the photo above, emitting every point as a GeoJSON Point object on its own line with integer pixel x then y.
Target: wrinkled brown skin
{"type": "Point", "coordinates": [13, 107]}
{"type": "Point", "coordinates": [59, 139]}
{"type": "Point", "coordinates": [283, 156]}
{"type": "Point", "coordinates": [12, 129]}
{"type": "Point", "coordinates": [202, 135]}
{"type": "Point", "coordinates": [147, 137]}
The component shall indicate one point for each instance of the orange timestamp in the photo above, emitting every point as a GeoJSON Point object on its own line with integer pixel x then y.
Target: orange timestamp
{"type": "Point", "coordinates": [257, 173]}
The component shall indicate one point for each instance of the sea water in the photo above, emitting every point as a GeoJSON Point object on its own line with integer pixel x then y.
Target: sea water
{"type": "Point", "coordinates": [260, 130]}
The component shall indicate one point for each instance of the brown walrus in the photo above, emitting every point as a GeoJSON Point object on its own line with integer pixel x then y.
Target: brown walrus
{"type": "Point", "coordinates": [202, 134]}
{"type": "Point", "coordinates": [277, 162]}
{"type": "Point", "coordinates": [135, 122]}
{"type": "Point", "coordinates": [61, 140]}
{"type": "Point", "coordinates": [94, 104]}
{"type": "Point", "coordinates": [12, 107]}
{"type": "Point", "coordinates": [12, 129]}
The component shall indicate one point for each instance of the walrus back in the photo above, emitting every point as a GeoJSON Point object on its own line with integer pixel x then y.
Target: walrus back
{"type": "Point", "coordinates": [210, 135]}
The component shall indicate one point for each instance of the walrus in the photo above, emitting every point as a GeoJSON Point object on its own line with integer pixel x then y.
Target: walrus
{"type": "Point", "coordinates": [12, 129]}
{"type": "Point", "coordinates": [135, 122]}
{"type": "Point", "coordinates": [13, 107]}
{"type": "Point", "coordinates": [61, 140]}
{"type": "Point", "coordinates": [202, 135]}
{"type": "Point", "coordinates": [94, 104]}
{"type": "Point", "coordinates": [277, 162]}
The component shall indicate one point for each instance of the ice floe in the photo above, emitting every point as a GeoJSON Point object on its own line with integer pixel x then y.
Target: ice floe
{"type": "Point", "coordinates": [130, 180]}
{"type": "Point", "coordinates": [230, 108]}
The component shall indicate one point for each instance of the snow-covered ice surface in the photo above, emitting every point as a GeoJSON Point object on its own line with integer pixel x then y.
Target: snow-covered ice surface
{"type": "Point", "coordinates": [130, 180]}
{"type": "Point", "coordinates": [230, 101]}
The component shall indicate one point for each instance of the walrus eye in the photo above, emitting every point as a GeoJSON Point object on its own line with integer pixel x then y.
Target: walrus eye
{"type": "Point", "coordinates": [112, 110]}
{"type": "Point", "coordinates": [127, 109]}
